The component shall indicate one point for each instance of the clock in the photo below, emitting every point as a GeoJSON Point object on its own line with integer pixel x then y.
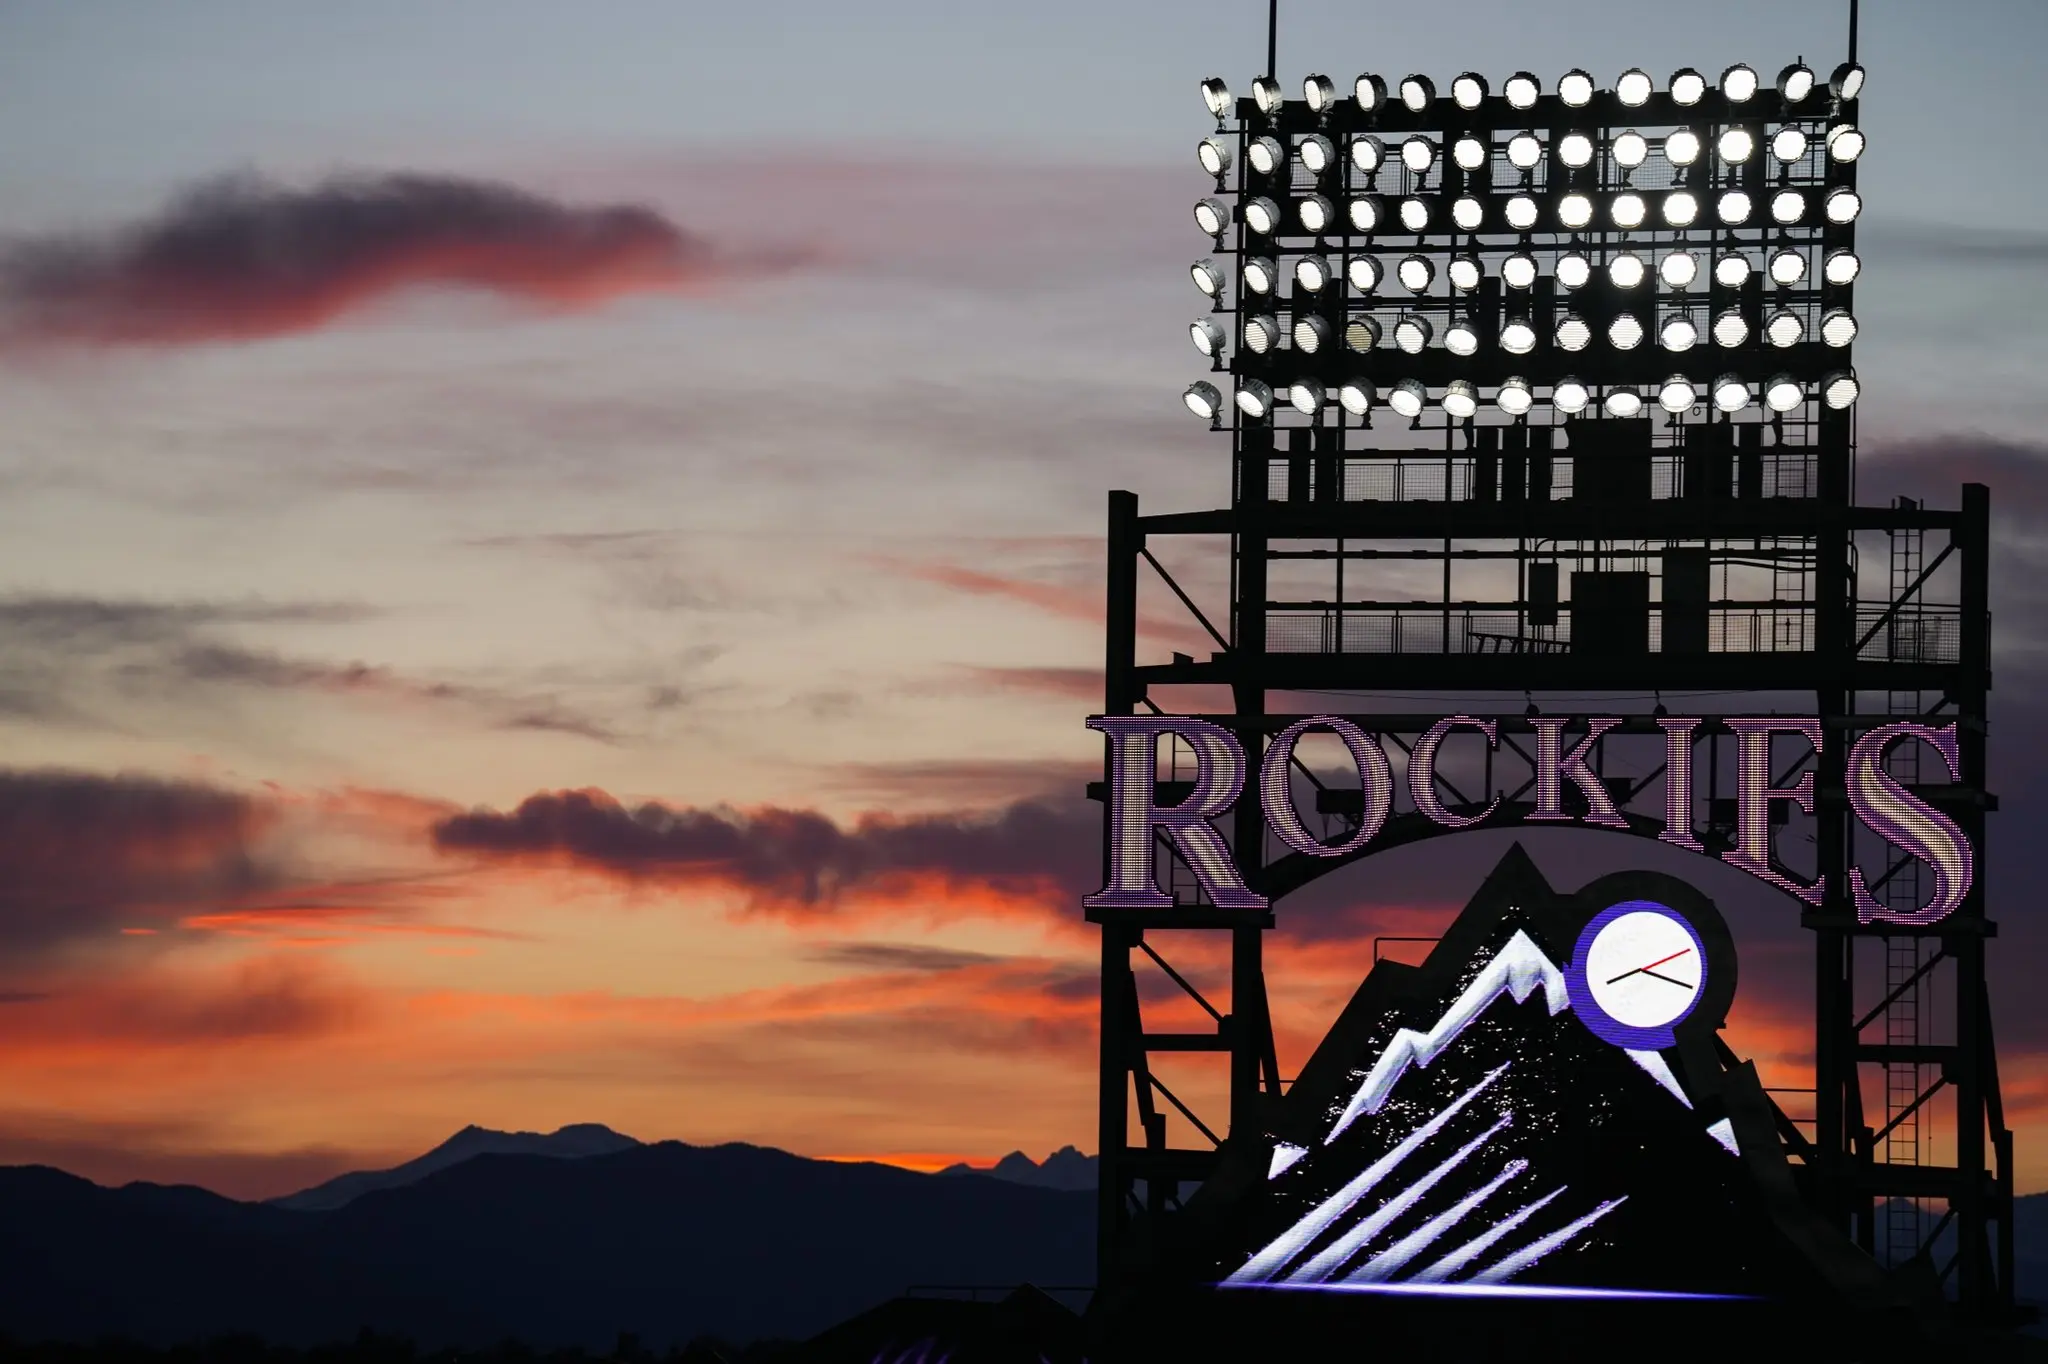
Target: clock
{"type": "Point", "coordinates": [1638, 971]}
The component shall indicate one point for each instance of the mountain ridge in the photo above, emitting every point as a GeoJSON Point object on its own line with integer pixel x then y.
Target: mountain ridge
{"type": "Point", "coordinates": [574, 1141]}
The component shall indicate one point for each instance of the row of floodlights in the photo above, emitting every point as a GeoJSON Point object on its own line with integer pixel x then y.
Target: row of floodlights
{"type": "Point", "coordinates": [1312, 334]}
{"type": "Point", "coordinates": [1627, 211]}
{"type": "Point", "coordinates": [1735, 146]}
{"type": "Point", "coordinates": [1730, 393]}
{"type": "Point", "coordinates": [1678, 270]}
{"type": "Point", "coordinates": [1739, 85]}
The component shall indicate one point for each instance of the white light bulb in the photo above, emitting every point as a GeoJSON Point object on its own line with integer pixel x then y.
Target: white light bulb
{"type": "Point", "coordinates": [1569, 396]}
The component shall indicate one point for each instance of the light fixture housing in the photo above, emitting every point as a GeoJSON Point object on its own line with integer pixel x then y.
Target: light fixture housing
{"type": "Point", "coordinates": [1262, 215]}
{"type": "Point", "coordinates": [1788, 206]}
{"type": "Point", "coordinates": [1216, 95]}
{"type": "Point", "coordinates": [1795, 82]}
{"type": "Point", "coordinates": [1575, 211]}
{"type": "Point", "coordinates": [1514, 397]}
{"type": "Point", "coordinates": [1370, 92]}
{"type": "Point", "coordinates": [1787, 267]}
{"type": "Point", "coordinates": [1838, 327]}
{"type": "Point", "coordinates": [1415, 214]}
{"type": "Point", "coordinates": [1412, 334]}
{"type": "Point", "coordinates": [1678, 334]}
{"type": "Point", "coordinates": [1517, 335]}
{"type": "Point", "coordinates": [1570, 396]}
{"type": "Point", "coordinates": [1839, 389]}
{"type": "Point", "coordinates": [1678, 269]}
{"type": "Point", "coordinates": [1209, 277]}
{"type": "Point", "coordinates": [1738, 84]}
{"type": "Point", "coordinates": [1418, 154]}
{"type": "Point", "coordinates": [1367, 212]}
{"type": "Point", "coordinates": [1465, 273]}
{"type": "Point", "coordinates": [1624, 403]}
{"type": "Point", "coordinates": [1320, 92]}
{"type": "Point", "coordinates": [1688, 87]}
{"type": "Point", "coordinates": [1676, 394]}
{"type": "Point", "coordinates": [1842, 267]}
{"type": "Point", "coordinates": [1418, 92]}
{"type": "Point", "coordinates": [1682, 146]}
{"type": "Point", "coordinates": [1368, 153]}
{"type": "Point", "coordinates": [1469, 153]}
{"type": "Point", "coordinates": [1626, 270]}
{"type": "Point", "coordinates": [1845, 143]}
{"type": "Point", "coordinates": [1574, 270]}
{"type": "Point", "coordinates": [1306, 395]}
{"type": "Point", "coordinates": [1268, 96]}
{"type": "Point", "coordinates": [1213, 155]}
{"type": "Point", "coordinates": [1842, 205]}
{"type": "Point", "coordinates": [1317, 153]}
{"type": "Point", "coordinates": [1261, 333]}
{"type": "Point", "coordinates": [1782, 393]}
{"type": "Point", "coordinates": [1461, 399]}
{"type": "Point", "coordinates": [1575, 89]}
{"type": "Point", "coordinates": [1573, 334]}
{"type": "Point", "coordinates": [1255, 399]}
{"type": "Point", "coordinates": [1628, 211]}
{"type": "Point", "coordinates": [1634, 87]}
{"type": "Point", "coordinates": [1312, 273]}
{"type": "Point", "coordinates": [1365, 273]}
{"type": "Point", "coordinates": [1408, 398]}
{"type": "Point", "coordinates": [1625, 332]}
{"type": "Point", "coordinates": [1734, 207]}
{"type": "Point", "coordinates": [1731, 270]}
{"type": "Point", "coordinates": [1356, 396]}
{"type": "Point", "coordinates": [1261, 276]}
{"type": "Point", "coordinates": [1203, 400]}
{"type": "Point", "coordinates": [1575, 150]}
{"type": "Point", "coordinates": [1212, 215]}
{"type": "Point", "coordinates": [1521, 212]}
{"type": "Point", "coordinates": [1522, 90]}
{"type": "Point", "coordinates": [1416, 273]}
{"type": "Point", "coordinates": [1208, 335]}
{"type": "Point", "coordinates": [1731, 329]}
{"type": "Point", "coordinates": [1784, 329]}
{"type": "Point", "coordinates": [1519, 271]}
{"type": "Point", "coordinates": [1731, 393]}
{"type": "Point", "coordinates": [1469, 90]}
{"type": "Point", "coordinates": [1788, 144]}
{"type": "Point", "coordinates": [1525, 151]}
{"type": "Point", "coordinates": [1311, 333]}
{"type": "Point", "coordinates": [1316, 214]}
{"type": "Point", "coordinates": [1847, 82]}
{"type": "Point", "coordinates": [1265, 155]}
{"type": "Point", "coordinates": [1736, 145]}
{"type": "Point", "coordinates": [1461, 338]}
{"type": "Point", "coordinates": [1631, 149]}
{"type": "Point", "coordinates": [1362, 334]}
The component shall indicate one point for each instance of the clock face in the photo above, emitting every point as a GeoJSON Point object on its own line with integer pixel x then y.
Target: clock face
{"type": "Point", "coordinates": [1644, 969]}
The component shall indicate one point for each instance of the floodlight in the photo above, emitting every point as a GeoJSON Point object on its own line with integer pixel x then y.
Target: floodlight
{"type": "Point", "coordinates": [1738, 83]}
{"type": "Point", "coordinates": [1461, 400]}
{"type": "Point", "coordinates": [1262, 216]}
{"type": "Point", "coordinates": [1845, 143]}
{"type": "Point", "coordinates": [1785, 329]}
{"type": "Point", "coordinates": [1468, 213]}
{"type": "Point", "coordinates": [1469, 153]}
{"type": "Point", "coordinates": [1311, 333]}
{"type": "Point", "coordinates": [1365, 273]}
{"type": "Point", "coordinates": [1418, 154]}
{"type": "Point", "coordinates": [1316, 153]}
{"type": "Point", "coordinates": [1265, 155]}
{"type": "Point", "coordinates": [1841, 267]}
{"type": "Point", "coordinates": [1688, 87]}
{"type": "Point", "coordinates": [1575, 88]}
{"type": "Point", "coordinates": [1519, 271]}
{"type": "Point", "coordinates": [1633, 87]}
{"type": "Point", "coordinates": [1677, 394]}
{"type": "Point", "coordinates": [1203, 400]}
{"type": "Point", "coordinates": [1416, 273]}
{"type": "Point", "coordinates": [1518, 336]}
{"type": "Point", "coordinates": [1417, 92]}
{"type": "Point", "coordinates": [1678, 334]}
{"type": "Point", "coordinates": [1523, 91]}
{"type": "Point", "coordinates": [1783, 393]}
{"type": "Point", "coordinates": [1316, 213]}
{"type": "Point", "coordinates": [1679, 269]}
{"type": "Point", "coordinates": [1734, 208]}
{"type": "Point", "coordinates": [1788, 206]}
{"type": "Point", "coordinates": [1415, 214]}
{"type": "Point", "coordinates": [1524, 151]}
{"type": "Point", "coordinates": [1255, 399]}
{"type": "Point", "coordinates": [1839, 389]}
{"type": "Point", "coordinates": [1408, 398]}
{"type": "Point", "coordinates": [1212, 216]}
{"type": "Point", "coordinates": [1356, 396]}
{"type": "Point", "coordinates": [1628, 210]}
{"type": "Point", "coordinates": [1736, 146]}
{"type": "Point", "coordinates": [1575, 150]}
{"type": "Point", "coordinates": [1366, 212]}
{"type": "Point", "coordinates": [1209, 277]}
{"type": "Point", "coordinates": [1412, 333]}
{"type": "Point", "coordinates": [1631, 149]}
{"type": "Point", "coordinates": [1312, 273]}
{"type": "Point", "coordinates": [1573, 334]}
{"type": "Point", "coordinates": [1261, 276]}
{"type": "Point", "coordinates": [1569, 396]}
{"type": "Point", "coordinates": [1795, 82]}
{"type": "Point", "coordinates": [1788, 144]}
{"type": "Point", "coordinates": [1574, 271]}
{"type": "Point", "coordinates": [1626, 270]}
{"type": "Point", "coordinates": [1837, 327]}
{"type": "Point", "coordinates": [1731, 394]}
{"type": "Point", "coordinates": [1465, 273]}
{"type": "Point", "coordinates": [1216, 95]}
{"type": "Point", "coordinates": [1261, 333]}
{"type": "Point", "coordinates": [1461, 337]}
{"type": "Point", "coordinates": [1208, 336]}
{"type": "Point", "coordinates": [1731, 270]}
{"type": "Point", "coordinates": [1214, 156]}
{"type": "Point", "coordinates": [1787, 267]}
{"type": "Point", "coordinates": [1624, 403]}
{"type": "Point", "coordinates": [1267, 94]}
{"type": "Point", "coordinates": [1625, 332]}
{"type": "Point", "coordinates": [1367, 153]}
{"type": "Point", "coordinates": [1730, 329]}
{"type": "Point", "coordinates": [1320, 92]}
{"type": "Point", "coordinates": [1469, 90]}
{"type": "Point", "coordinates": [1575, 211]}
{"type": "Point", "coordinates": [1362, 334]}
{"type": "Point", "coordinates": [1521, 212]}
{"type": "Point", "coordinates": [1306, 395]}
{"type": "Point", "coordinates": [1514, 397]}
{"type": "Point", "coordinates": [1843, 205]}
{"type": "Point", "coordinates": [1682, 147]}
{"type": "Point", "coordinates": [1681, 208]}
{"type": "Point", "coordinates": [1847, 82]}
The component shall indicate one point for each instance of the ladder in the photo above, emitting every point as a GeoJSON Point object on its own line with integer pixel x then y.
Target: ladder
{"type": "Point", "coordinates": [1905, 1219]}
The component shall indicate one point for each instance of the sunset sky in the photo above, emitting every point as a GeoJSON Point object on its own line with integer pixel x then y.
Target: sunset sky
{"type": "Point", "coordinates": [550, 555]}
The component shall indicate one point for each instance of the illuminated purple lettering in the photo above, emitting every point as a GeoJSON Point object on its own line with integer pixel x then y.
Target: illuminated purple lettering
{"type": "Point", "coordinates": [1553, 764]}
{"type": "Point", "coordinates": [1907, 823]}
{"type": "Point", "coordinates": [1134, 812]}
{"type": "Point", "coordinates": [1678, 781]}
{"type": "Point", "coordinates": [1422, 770]}
{"type": "Point", "coordinates": [1754, 794]}
{"type": "Point", "coordinates": [1375, 779]}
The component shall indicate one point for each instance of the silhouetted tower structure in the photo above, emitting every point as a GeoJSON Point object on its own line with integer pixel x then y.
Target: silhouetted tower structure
{"type": "Point", "coordinates": [1543, 401]}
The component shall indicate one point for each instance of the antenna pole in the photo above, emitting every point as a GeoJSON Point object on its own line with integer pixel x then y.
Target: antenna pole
{"type": "Point", "coordinates": [1273, 37]}
{"type": "Point", "coordinates": [1854, 6]}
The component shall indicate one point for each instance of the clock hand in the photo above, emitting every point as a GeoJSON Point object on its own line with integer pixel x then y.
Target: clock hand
{"type": "Point", "coordinates": [1659, 962]}
{"type": "Point", "coordinates": [1654, 975]}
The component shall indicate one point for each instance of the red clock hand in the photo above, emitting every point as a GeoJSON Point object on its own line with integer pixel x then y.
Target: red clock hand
{"type": "Point", "coordinates": [1659, 962]}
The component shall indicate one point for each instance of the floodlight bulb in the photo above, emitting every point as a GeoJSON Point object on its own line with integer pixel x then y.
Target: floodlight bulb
{"type": "Point", "coordinates": [1519, 271]}
{"type": "Point", "coordinates": [1208, 336]}
{"type": "Point", "coordinates": [1681, 208]}
{"type": "Point", "coordinates": [1262, 216]}
{"type": "Point", "coordinates": [1316, 214]}
{"type": "Point", "coordinates": [1523, 91]}
{"type": "Point", "coordinates": [1216, 95]}
{"type": "Point", "coordinates": [1575, 88]}
{"type": "Point", "coordinates": [1574, 270]}
{"type": "Point", "coordinates": [1356, 396]}
{"type": "Point", "coordinates": [1788, 145]}
{"type": "Point", "coordinates": [1417, 92]}
{"type": "Point", "coordinates": [1311, 334]}
{"type": "Point", "coordinates": [1626, 270]}
{"type": "Point", "coordinates": [1469, 90]}
{"type": "Point", "coordinates": [1468, 213]}
{"type": "Point", "coordinates": [1730, 329]}
{"type": "Point", "coordinates": [1212, 216]}
{"type": "Point", "coordinates": [1415, 214]}
{"type": "Point", "coordinates": [1624, 403]}
{"type": "Point", "coordinates": [1261, 276]}
{"type": "Point", "coordinates": [1514, 397]}
{"type": "Point", "coordinates": [1795, 82]}
{"type": "Point", "coordinates": [1408, 398]}
{"type": "Point", "coordinates": [1788, 206]}
{"type": "Point", "coordinates": [1736, 146]}
{"type": "Point", "coordinates": [1469, 153]}
{"type": "Point", "coordinates": [1679, 269]}
{"type": "Point", "coordinates": [1842, 205]}
{"type": "Point", "coordinates": [1366, 212]}
{"type": "Point", "coordinates": [1738, 84]}
{"type": "Point", "coordinates": [1573, 334]}
{"type": "Point", "coordinates": [1267, 94]}
{"type": "Point", "coordinates": [1265, 155]}
{"type": "Point", "coordinates": [1209, 277]}
{"type": "Point", "coordinates": [1678, 334]}
{"type": "Point", "coordinates": [1465, 273]}
{"type": "Point", "coordinates": [1521, 212]}
{"type": "Point", "coordinates": [1569, 396]}
{"type": "Point", "coordinates": [1306, 395]}
{"type": "Point", "coordinates": [1631, 149]}
{"type": "Point", "coordinates": [1320, 92]}
{"type": "Point", "coordinates": [1785, 329]}
{"type": "Point", "coordinates": [1845, 143]}
{"type": "Point", "coordinates": [1682, 148]}
{"type": "Point", "coordinates": [1731, 393]}
{"type": "Point", "coordinates": [1625, 332]}
{"type": "Point", "coordinates": [1461, 338]}
{"type": "Point", "coordinates": [1316, 152]}
{"type": "Point", "coordinates": [1312, 273]}
{"type": "Point", "coordinates": [1837, 327]}
{"type": "Point", "coordinates": [1787, 266]}
{"type": "Point", "coordinates": [1842, 267]}
{"type": "Point", "coordinates": [1575, 150]}
{"type": "Point", "coordinates": [1518, 336]}
{"type": "Point", "coordinates": [1213, 155]}
{"type": "Point", "coordinates": [1203, 400]}
{"type": "Point", "coordinates": [1731, 270]}
{"type": "Point", "coordinates": [1734, 207]}
{"type": "Point", "coordinates": [1629, 210]}
{"type": "Point", "coordinates": [1412, 333]}
{"type": "Point", "coordinates": [1840, 389]}
{"type": "Point", "coordinates": [1525, 150]}
{"type": "Point", "coordinates": [1416, 273]}
{"type": "Point", "coordinates": [1364, 272]}
{"type": "Point", "coordinates": [1676, 394]}
{"type": "Point", "coordinates": [1368, 153]}
{"type": "Point", "coordinates": [1783, 393]}
{"type": "Point", "coordinates": [1575, 211]}
{"type": "Point", "coordinates": [1370, 91]}
{"type": "Point", "coordinates": [1688, 87]}
{"type": "Point", "coordinates": [1255, 399]}
{"type": "Point", "coordinates": [1362, 334]}
{"type": "Point", "coordinates": [1418, 154]}
{"type": "Point", "coordinates": [1461, 400]}
{"type": "Point", "coordinates": [1261, 333]}
{"type": "Point", "coordinates": [1847, 82]}
{"type": "Point", "coordinates": [1633, 87]}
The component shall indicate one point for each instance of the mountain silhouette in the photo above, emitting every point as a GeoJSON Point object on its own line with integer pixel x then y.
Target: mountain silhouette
{"type": "Point", "coordinates": [569, 1143]}
{"type": "Point", "coordinates": [666, 1241]}
{"type": "Point", "coordinates": [1065, 1168]}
